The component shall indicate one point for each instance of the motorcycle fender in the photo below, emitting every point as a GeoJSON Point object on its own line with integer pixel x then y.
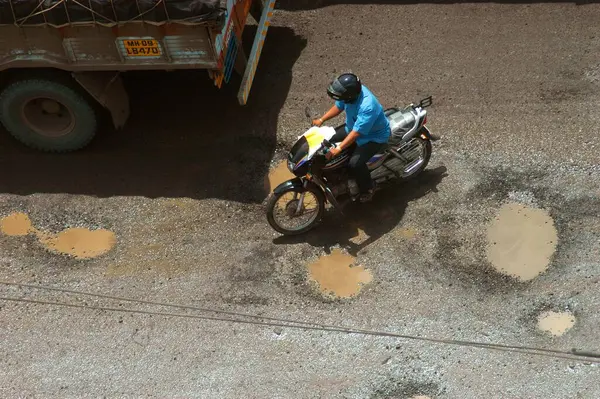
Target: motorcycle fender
{"type": "Point", "coordinates": [296, 183]}
{"type": "Point", "coordinates": [286, 185]}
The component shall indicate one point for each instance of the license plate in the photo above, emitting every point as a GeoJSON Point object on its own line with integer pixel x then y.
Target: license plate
{"type": "Point", "coordinates": [142, 48]}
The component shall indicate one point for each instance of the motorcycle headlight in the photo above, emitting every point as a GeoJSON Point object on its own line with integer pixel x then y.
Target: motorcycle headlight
{"type": "Point", "coordinates": [290, 166]}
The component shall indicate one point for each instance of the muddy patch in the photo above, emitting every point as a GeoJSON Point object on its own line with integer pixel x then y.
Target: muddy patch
{"type": "Point", "coordinates": [406, 233]}
{"type": "Point", "coordinates": [499, 183]}
{"type": "Point", "coordinates": [574, 214]}
{"type": "Point", "coordinates": [360, 237]}
{"type": "Point", "coordinates": [460, 257]}
{"type": "Point", "coordinates": [337, 277]}
{"type": "Point", "coordinates": [566, 93]}
{"type": "Point", "coordinates": [568, 85]}
{"type": "Point", "coordinates": [79, 243]}
{"type": "Point", "coordinates": [407, 389]}
{"type": "Point", "coordinates": [16, 224]}
{"type": "Point", "coordinates": [555, 323]}
{"type": "Point", "coordinates": [245, 299]}
{"type": "Point", "coordinates": [521, 241]}
{"type": "Point", "coordinates": [276, 176]}
{"type": "Point", "coordinates": [257, 267]}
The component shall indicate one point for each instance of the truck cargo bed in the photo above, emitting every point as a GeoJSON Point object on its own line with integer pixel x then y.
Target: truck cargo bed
{"type": "Point", "coordinates": [84, 35]}
{"type": "Point", "coordinates": [60, 13]}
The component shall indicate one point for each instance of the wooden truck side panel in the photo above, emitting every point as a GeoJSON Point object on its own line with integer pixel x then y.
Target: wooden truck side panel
{"type": "Point", "coordinates": [95, 48]}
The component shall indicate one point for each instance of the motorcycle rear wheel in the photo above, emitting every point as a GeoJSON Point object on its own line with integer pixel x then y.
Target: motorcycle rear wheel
{"type": "Point", "coordinates": [424, 158]}
{"type": "Point", "coordinates": [274, 208]}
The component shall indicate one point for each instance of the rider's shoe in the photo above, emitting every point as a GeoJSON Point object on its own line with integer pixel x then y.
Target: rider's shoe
{"type": "Point", "coordinates": [367, 197]}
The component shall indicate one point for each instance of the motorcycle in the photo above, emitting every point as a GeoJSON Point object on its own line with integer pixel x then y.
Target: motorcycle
{"type": "Point", "coordinates": [301, 200]}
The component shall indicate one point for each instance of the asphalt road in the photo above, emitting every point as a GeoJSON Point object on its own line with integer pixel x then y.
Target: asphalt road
{"type": "Point", "coordinates": [516, 90]}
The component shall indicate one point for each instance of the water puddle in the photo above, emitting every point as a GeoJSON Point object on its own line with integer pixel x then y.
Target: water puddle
{"type": "Point", "coordinates": [407, 233]}
{"type": "Point", "coordinates": [277, 175]}
{"type": "Point", "coordinates": [360, 237]}
{"type": "Point", "coordinates": [16, 224]}
{"type": "Point", "coordinates": [335, 275]}
{"type": "Point", "coordinates": [80, 243]}
{"type": "Point", "coordinates": [521, 241]}
{"type": "Point", "coordinates": [555, 323]}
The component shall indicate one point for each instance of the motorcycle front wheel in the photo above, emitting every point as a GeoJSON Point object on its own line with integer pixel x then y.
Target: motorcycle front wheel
{"type": "Point", "coordinates": [295, 210]}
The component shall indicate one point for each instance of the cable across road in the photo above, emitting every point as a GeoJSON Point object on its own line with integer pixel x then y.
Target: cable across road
{"type": "Point", "coordinates": [264, 321]}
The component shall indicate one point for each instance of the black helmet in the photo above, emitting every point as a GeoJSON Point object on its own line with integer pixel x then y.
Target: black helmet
{"type": "Point", "coordinates": [345, 87]}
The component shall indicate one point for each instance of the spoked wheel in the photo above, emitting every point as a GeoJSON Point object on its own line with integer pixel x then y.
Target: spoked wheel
{"type": "Point", "coordinates": [296, 210]}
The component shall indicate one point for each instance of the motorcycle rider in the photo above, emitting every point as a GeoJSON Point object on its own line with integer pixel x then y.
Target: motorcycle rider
{"type": "Point", "coordinates": [366, 125]}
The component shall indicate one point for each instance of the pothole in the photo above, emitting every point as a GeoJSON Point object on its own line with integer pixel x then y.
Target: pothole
{"type": "Point", "coordinates": [16, 224]}
{"type": "Point", "coordinates": [407, 232]}
{"type": "Point", "coordinates": [336, 276]}
{"type": "Point", "coordinates": [555, 323]}
{"type": "Point", "coordinates": [360, 237]}
{"type": "Point", "coordinates": [522, 197]}
{"type": "Point", "coordinates": [276, 176]}
{"type": "Point", "coordinates": [521, 241]}
{"type": "Point", "coordinates": [79, 243]}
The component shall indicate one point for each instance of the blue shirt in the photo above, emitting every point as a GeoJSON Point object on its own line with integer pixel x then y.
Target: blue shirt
{"type": "Point", "coordinates": [365, 116]}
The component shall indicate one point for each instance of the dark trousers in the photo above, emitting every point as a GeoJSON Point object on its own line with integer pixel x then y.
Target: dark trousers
{"type": "Point", "coordinates": [357, 166]}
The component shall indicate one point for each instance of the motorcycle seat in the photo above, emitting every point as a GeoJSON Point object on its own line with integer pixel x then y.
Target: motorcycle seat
{"type": "Point", "coordinates": [402, 121]}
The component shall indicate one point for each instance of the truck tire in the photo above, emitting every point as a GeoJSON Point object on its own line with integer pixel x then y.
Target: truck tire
{"type": "Point", "coordinates": [51, 115]}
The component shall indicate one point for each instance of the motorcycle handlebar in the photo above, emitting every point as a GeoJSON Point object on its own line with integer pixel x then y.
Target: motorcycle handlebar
{"type": "Point", "coordinates": [325, 146]}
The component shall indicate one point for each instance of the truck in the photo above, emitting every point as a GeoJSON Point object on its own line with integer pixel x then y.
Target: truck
{"type": "Point", "coordinates": [62, 61]}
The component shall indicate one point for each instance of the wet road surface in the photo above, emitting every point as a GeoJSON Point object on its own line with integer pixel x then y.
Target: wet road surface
{"type": "Point", "coordinates": [497, 242]}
